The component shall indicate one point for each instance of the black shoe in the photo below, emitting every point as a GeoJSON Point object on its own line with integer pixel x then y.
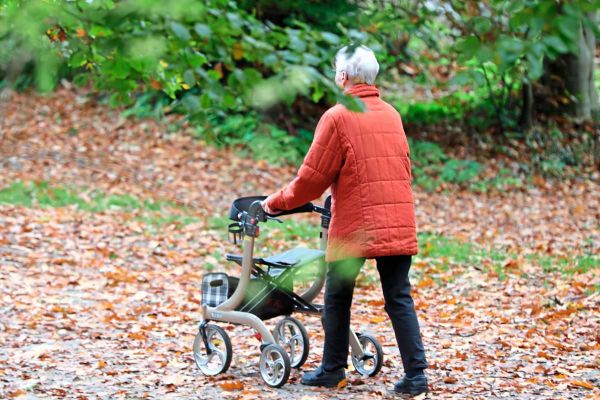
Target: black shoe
{"type": "Point", "coordinates": [414, 385]}
{"type": "Point", "coordinates": [320, 377]}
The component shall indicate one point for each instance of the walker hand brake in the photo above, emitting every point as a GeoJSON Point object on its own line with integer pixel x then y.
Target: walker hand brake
{"type": "Point", "coordinates": [275, 219]}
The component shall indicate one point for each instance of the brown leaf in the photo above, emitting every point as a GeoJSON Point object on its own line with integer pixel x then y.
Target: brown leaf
{"type": "Point", "coordinates": [232, 385]}
{"type": "Point", "coordinates": [154, 84]}
{"type": "Point", "coordinates": [16, 393]}
{"type": "Point", "coordinates": [342, 383]}
{"type": "Point", "coordinates": [582, 384]}
{"type": "Point", "coordinates": [425, 282]}
{"type": "Point", "coordinates": [450, 380]}
{"type": "Point", "coordinates": [376, 303]}
{"type": "Point", "coordinates": [136, 336]}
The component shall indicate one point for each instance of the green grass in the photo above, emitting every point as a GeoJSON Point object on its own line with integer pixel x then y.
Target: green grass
{"type": "Point", "coordinates": [439, 251]}
{"type": "Point", "coordinates": [579, 264]}
{"type": "Point", "coordinates": [437, 246]}
{"type": "Point", "coordinates": [442, 248]}
{"type": "Point", "coordinates": [155, 213]}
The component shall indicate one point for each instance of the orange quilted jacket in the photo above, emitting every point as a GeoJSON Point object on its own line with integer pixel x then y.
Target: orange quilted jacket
{"type": "Point", "coordinates": [364, 157]}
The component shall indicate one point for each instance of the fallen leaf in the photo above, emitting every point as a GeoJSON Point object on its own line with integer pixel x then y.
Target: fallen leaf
{"type": "Point", "coordinates": [232, 385]}
{"type": "Point", "coordinates": [450, 379]}
{"type": "Point", "coordinates": [342, 383]}
{"type": "Point", "coordinates": [582, 384]}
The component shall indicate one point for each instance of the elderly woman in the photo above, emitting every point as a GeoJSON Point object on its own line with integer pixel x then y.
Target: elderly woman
{"type": "Point", "coordinates": [364, 157]}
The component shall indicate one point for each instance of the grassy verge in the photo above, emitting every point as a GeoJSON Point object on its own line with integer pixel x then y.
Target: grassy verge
{"type": "Point", "coordinates": [441, 252]}
{"type": "Point", "coordinates": [155, 213]}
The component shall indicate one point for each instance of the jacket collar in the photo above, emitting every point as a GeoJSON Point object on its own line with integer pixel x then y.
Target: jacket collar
{"type": "Point", "coordinates": [362, 90]}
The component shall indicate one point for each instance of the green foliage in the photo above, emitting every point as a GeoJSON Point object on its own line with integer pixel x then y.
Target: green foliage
{"type": "Point", "coordinates": [473, 109]}
{"type": "Point", "coordinates": [262, 140]}
{"type": "Point", "coordinates": [223, 64]}
{"type": "Point", "coordinates": [210, 58]}
{"type": "Point", "coordinates": [504, 43]}
{"type": "Point", "coordinates": [432, 167]}
{"type": "Point", "coordinates": [498, 45]}
{"type": "Point", "coordinates": [429, 113]}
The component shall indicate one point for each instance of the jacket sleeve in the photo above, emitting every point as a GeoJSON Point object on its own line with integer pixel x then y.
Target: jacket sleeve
{"type": "Point", "coordinates": [318, 171]}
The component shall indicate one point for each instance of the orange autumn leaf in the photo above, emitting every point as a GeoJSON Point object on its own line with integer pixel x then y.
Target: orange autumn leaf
{"type": "Point", "coordinates": [583, 384]}
{"type": "Point", "coordinates": [254, 391]}
{"type": "Point", "coordinates": [425, 282]}
{"type": "Point", "coordinates": [81, 32]}
{"type": "Point", "coordinates": [232, 385]}
{"type": "Point", "coordinates": [154, 84]}
{"type": "Point", "coordinates": [558, 345]}
{"type": "Point", "coordinates": [16, 393]}
{"type": "Point", "coordinates": [511, 264]}
{"type": "Point", "coordinates": [450, 379]}
{"type": "Point", "coordinates": [377, 319]}
{"type": "Point", "coordinates": [342, 383]}
{"type": "Point", "coordinates": [136, 336]}
{"type": "Point", "coordinates": [452, 300]}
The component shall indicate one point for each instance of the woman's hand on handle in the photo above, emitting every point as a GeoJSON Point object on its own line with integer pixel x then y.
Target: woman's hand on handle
{"type": "Point", "coordinates": [266, 207]}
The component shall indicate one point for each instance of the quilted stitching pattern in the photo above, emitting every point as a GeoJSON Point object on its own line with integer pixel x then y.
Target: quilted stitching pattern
{"type": "Point", "coordinates": [365, 159]}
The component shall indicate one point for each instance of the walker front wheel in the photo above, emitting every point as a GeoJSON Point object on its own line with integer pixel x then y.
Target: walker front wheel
{"type": "Point", "coordinates": [372, 361]}
{"type": "Point", "coordinates": [213, 355]}
{"type": "Point", "coordinates": [290, 334]}
{"type": "Point", "coordinates": [274, 365]}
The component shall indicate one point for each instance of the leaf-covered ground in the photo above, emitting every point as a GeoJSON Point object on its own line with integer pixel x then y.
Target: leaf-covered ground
{"type": "Point", "coordinates": [100, 294]}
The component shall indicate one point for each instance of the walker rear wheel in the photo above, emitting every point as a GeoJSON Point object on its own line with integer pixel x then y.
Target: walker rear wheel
{"type": "Point", "coordinates": [217, 357]}
{"type": "Point", "coordinates": [290, 334]}
{"type": "Point", "coordinates": [371, 363]}
{"type": "Point", "coordinates": [274, 365]}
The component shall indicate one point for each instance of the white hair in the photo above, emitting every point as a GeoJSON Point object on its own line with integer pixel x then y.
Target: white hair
{"type": "Point", "coordinates": [358, 62]}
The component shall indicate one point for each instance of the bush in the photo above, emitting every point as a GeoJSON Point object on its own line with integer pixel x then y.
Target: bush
{"type": "Point", "coordinates": [431, 166]}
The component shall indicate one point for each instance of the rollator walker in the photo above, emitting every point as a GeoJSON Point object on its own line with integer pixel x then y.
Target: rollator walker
{"type": "Point", "coordinates": [260, 294]}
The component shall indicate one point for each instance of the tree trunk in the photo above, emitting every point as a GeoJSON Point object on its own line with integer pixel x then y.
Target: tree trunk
{"type": "Point", "coordinates": [579, 76]}
{"type": "Point", "coordinates": [526, 120]}
{"type": "Point", "coordinates": [568, 82]}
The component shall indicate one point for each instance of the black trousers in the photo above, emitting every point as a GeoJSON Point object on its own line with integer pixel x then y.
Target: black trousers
{"type": "Point", "coordinates": [399, 305]}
